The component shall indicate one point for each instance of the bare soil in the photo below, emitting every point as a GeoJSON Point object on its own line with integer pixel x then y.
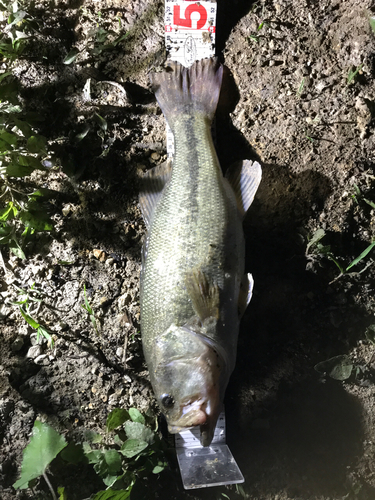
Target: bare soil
{"type": "Point", "coordinates": [289, 102]}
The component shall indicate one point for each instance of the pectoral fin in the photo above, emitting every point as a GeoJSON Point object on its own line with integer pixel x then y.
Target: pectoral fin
{"type": "Point", "coordinates": [246, 292]}
{"type": "Point", "coordinates": [244, 177]}
{"type": "Point", "coordinates": [205, 295]}
{"type": "Point", "coordinates": [153, 183]}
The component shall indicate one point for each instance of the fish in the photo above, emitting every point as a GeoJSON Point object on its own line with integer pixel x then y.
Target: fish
{"type": "Point", "coordinates": [193, 287]}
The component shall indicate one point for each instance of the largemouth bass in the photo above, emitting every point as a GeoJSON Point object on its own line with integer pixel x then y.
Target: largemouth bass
{"type": "Point", "coordinates": [193, 287]}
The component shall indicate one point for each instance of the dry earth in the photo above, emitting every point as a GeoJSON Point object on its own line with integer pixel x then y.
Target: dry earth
{"type": "Point", "coordinates": [287, 102]}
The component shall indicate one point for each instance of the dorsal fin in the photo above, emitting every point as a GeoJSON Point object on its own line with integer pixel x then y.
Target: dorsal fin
{"type": "Point", "coordinates": [152, 186]}
{"type": "Point", "coordinates": [244, 177]}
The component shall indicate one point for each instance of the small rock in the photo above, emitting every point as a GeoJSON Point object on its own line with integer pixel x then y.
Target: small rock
{"type": "Point", "coordinates": [34, 351]}
{"type": "Point", "coordinates": [42, 359]}
{"type": "Point", "coordinates": [17, 344]}
{"type": "Point", "coordinates": [99, 254]}
{"type": "Point", "coordinates": [119, 352]}
{"type": "Point", "coordinates": [155, 156]}
{"type": "Point", "coordinates": [65, 210]}
{"type": "Point", "coordinates": [109, 262]}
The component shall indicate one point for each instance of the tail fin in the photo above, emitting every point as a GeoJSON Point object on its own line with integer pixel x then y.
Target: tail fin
{"type": "Point", "coordinates": [182, 90]}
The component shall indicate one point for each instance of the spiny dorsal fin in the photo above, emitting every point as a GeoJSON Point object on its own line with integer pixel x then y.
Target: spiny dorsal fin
{"type": "Point", "coordinates": [204, 295]}
{"type": "Point", "coordinates": [244, 177]}
{"type": "Point", "coordinates": [246, 292]}
{"type": "Point", "coordinates": [152, 185]}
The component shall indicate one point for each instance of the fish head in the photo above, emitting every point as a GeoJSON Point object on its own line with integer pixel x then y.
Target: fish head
{"type": "Point", "coordinates": [188, 379]}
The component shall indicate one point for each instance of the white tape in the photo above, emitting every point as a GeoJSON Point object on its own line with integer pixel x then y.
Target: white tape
{"type": "Point", "coordinates": [190, 29]}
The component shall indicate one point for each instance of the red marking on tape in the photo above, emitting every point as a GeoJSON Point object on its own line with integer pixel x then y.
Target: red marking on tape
{"type": "Point", "coordinates": [187, 22]}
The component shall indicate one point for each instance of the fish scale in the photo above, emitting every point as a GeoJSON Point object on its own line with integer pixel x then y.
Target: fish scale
{"type": "Point", "coordinates": [193, 287]}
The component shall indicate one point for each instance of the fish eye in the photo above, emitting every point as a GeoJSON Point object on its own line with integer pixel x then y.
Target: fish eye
{"type": "Point", "coordinates": [167, 401]}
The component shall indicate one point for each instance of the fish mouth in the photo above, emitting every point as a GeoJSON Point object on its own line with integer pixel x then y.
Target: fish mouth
{"type": "Point", "coordinates": [193, 415]}
{"type": "Point", "coordinates": [196, 417]}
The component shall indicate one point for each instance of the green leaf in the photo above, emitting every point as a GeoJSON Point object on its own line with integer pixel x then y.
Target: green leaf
{"type": "Point", "coordinates": [45, 333]}
{"type": "Point", "coordinates": [45, 444]}
{"type": "Point", "coordinates": [372, 23]}
{"type": "Point", "coordinates": [93, 456]}
{"type": "Point", "coordinates": [81, 135]}
{"type": "Point", "coordinates": [17, 170]}
{"type": "Point", "coordinates": [62, 494]}
{"type": "Point", "coordinates": [73, 453]}
{"type": "Point", "coordinates": [37, 219]}
{"type": "Point", "coordinates": [72, 56]}
{"type": "Point", "coordinates": [369, 202]}
{"type": "Point", "coordinates": [29, 319]}
{"type": "Point", "coordinates": [158, 468]}
{"type": "Point", "coordinates": [4, 75]}
{"type": "Point", "coordinates": [360, 257]}
{"type": "Point", "coordinates": [116, 418]}
{"type": "Point", "coordinates": [112, 494]}
{"type": "Point", "coordinates": [113, 460]}
{"type": "Point", "coordinates": [36, 144]}
{"type": "Point", "coordinates": [136, 415]}
{"type": "Point", "coordinates": [9, 212]}
{"type": "Point", "coordinates": [24, 127]}
{"type": "Point", "coordinates": [338, 367]}
{"type": "Point", "coordinates": [100, 121]}
{"type": "Point", "coordinates": [92, 437]}
{"type": "Point", "coordinates": [17, 250]}
{"type": "Point", "coordinates": [136, 430]}
{"type": "Point", "coordinates": [317, 236]}
{"type": "Point", "coordinates": [133, 447]}
{"type": "Point", "coordinates": [8, 138]}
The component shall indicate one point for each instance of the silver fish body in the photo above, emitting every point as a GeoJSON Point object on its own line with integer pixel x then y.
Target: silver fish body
{"type": "Point", "coordinates": [193, 267]}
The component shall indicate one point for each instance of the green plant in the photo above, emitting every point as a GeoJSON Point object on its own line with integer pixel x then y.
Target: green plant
{"type": "Point", "coordinates": [86, 306]}
{"type": "Point", "coordinates": [35, 296]}
{"type": "Point", "coordinates": [352, 74]}
{"type": "Point", "coordinates": [22, 149]}
{"type": "Point", "coordinates": [315, 246]}
{"type": "Point", "coordinates": [300, 88]}
{"type": "Point", "coordinates": [98, 41]}
{"type": "Point", "coordinates": [136, 451]}
{"type": "Point", "coordinates": [45, 444]}
{"type": "Point", "coordinates": [372, 23]}
{"type": "Point", "coordinates": [358, 196]}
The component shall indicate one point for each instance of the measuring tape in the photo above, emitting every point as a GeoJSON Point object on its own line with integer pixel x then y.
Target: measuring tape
{"type": "Point", "coordinates": [190, 29]}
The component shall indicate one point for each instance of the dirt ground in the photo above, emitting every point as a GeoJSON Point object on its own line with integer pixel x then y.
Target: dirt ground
{"type": "Point", "coordinates": [290, 100]}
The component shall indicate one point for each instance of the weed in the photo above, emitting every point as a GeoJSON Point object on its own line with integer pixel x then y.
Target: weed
{"type": "Point", "coordinates": [358, 196]}
{"type": "Point", "coordinates": [22, 149]}
{"type": "Point", "coordinates": [86, 306]}
{"type": "Point", "coordinates": [99, 40]}
{"type": "Point", "coordinates": [372, 23]}
{"type": "Point", "coordinates": [315, 246]}
{"type": "Point", "coordinates": [23, 303]}
{"type": "Point", "coordinates": [135, 452]}
{"type": "Point", "coordinates": [353, 74]}
{"type": "Point", "coordinates": [300, 88]}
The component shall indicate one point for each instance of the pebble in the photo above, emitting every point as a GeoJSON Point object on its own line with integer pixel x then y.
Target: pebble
{"type": "Point", "coordinates": [42, 359]}
{"type": "Point", "coordinates": [99, 254]}
{"type": "Point", "coordinates": [34, 351]}
{"type": "Point", "coordinates": [17, 344]}
{"type": "Point", "coordinates": [155, 156]}
{"type": "Point", "coordinates": [119, 352]}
